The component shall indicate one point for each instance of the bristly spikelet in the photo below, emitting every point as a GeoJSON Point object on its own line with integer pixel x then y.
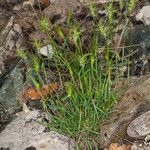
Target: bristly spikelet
{"type": "Point", "coordinates": [22, 54]}
{"type": "Point", "coordinates": [121, 4]}
{"type": "Point", "coordinates": [92, 8]}
{"type": "Point", "coordinates": [110, 11]}
{"type": "Point", "coordinates": [37, 44]}
{"type": "Point", "coordinates": [131, 5]}
{"type": "Point", "coordinates": [44, 25]}
{"type": "Point", "coordinates": [35, 64]}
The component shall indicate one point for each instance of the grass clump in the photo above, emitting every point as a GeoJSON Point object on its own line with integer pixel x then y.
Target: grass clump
{"type": "Point", "coordinates": [85, 96]}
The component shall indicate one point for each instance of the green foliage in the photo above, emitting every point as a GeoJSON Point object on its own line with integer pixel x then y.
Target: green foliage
{"type": "Point", "coordinates": [44, 25]}
{"type": "Point", "coordinates": [86, 95]}
{"type": "Point", "coordinates": [121, 4]}
{"type": "Point", "coordinates": [92, 8]}
{"type": "Point", "coordinates": [22, 54]}
{"type": "Point", "coordinates": [131, 5]}
{"type": "Point", "coordinates": [37, 44]}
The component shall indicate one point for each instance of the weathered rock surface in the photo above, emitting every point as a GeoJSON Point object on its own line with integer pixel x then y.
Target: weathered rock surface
{"type": "Point", "coordinates": [132, 103]}
{"type": "Point", "coordinates": [140, 53]}
{"type": "Point", "coordinates": [144, 15]}
{"type": "Point", "coordinates": [140, 146]}
{"type": "Point", "coordinates": [11, 39]}
{"type": "Point", "coordinates": [8, 91]}
{"type": "Point", "coordinates": [25, 133]}
{"type": "Point", "coordinates": [61, 7]}
{"type": "Point", "coordinates": [140, 127]}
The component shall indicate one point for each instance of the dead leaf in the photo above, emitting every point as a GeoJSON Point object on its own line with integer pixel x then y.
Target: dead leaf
{"type": "Point", "coordinates": [45, 2]}
{"type": "Point", "coordinates": [33, 94]}
{"type": "Point", "coordinates": [116, 146]}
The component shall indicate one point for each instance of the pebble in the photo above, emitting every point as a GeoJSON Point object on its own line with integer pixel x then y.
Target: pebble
{"type": "Point", "coordinates": [144, 15]}
{"type": "Point", "coordinates": [47, 51]}
{"type": "Point", "coordinates": [140, 127]}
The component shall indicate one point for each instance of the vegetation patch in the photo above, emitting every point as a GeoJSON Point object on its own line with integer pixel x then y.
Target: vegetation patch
{"type": "Point", "coordinates": [83, 69]}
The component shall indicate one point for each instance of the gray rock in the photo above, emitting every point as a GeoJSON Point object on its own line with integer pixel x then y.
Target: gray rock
{"type": "Point", "coordinates": [24, 133]}
{"type": "Point", "coordinates": [60, 7]}
{"type": "Point", "coordinates": [8, 103]}
{"type": "Point", "coordinates": [131, 103]}
{"type": "Point", "coordinates": [11, 2]}
{"type": "Point", "coordinates": [47, 51]}
{"type": "Point", "coordinates": [11, 40]}
{"type": "Point", "coordinates": [144, 15]}
{"type": "Point", "coordinates": [140, 146]}
{"type": "Point", "coordinates": [140, 127]}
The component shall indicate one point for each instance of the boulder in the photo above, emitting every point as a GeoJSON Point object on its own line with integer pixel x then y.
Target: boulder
{"type": "Point", "coordinates": [11, 39]}
{"type": "Point", "coordinates": [11, 84]}
{"type": "Point", "coordinates": [27, 132]}
{"type": "Point", "coordinates": [134, 101]}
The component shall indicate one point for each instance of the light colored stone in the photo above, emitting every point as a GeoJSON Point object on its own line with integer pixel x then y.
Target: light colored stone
{"type": "Point", "coordinates": [140, 146]}
{"type": "Point", "coordinates": [144, 15]}
{"type": "Point", "coordinates": [18, 7]}
{"type": "Point", "coordinates": [27, 5]}
{"type": "Point", "coordinates": [25, 131]}
{"type": "Point", "coordinates": [47, 51]}
{"type": "Point", "coordinates": [140, 127]}
{"type": "Point", "coordinates": [9, 87]}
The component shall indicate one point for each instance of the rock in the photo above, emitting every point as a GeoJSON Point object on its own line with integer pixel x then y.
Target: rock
{"type": "Point", "coordinates": [11, 40]}
{"type": "Point", "coordinates": [26, 133]}
{"type": "Point", "coordinates": [14, 2]}
{"type": "Point", "coordinates": [140, 146]}
{"type": "Point", "coordinates": [140, 53]}
{"type": "Point", "coordinates": [61, 7]}
{"type": "Point", "coordinates": [26, 5]}
{"type": "Point", "coordinates": [5, 117]}
{"type": "Point", "coordinates": [144, 15]}
{"type": "Point", "coordinates": [140, 127]}
{"type": "Point", "coordinates": [4, 17]}
{"type": "Point", "coordinates": [131, 103]}
{"type": "Point", "coordinates": [47, 51]}
{"type": "Point", "coordinates": [18, 7]}
{"type": "Point", "coordinates": [8, 103]}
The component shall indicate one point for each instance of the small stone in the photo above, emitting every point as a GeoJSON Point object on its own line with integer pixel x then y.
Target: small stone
{"type": "Point", "coordinates": [18, 7]}
{"type": "Point", "coordinates": [140, 127]}
{"type": "Point", "coordinates": [25, 133]}
{"type": "Point", "coordinates": [137, 145]}
{"type": "Point", "coordinates": [26, 5]}
{"type": "Point", "coordinates": [47, 51]}
{"type": "Point", "coordinates": [139, 16]}
{"type": "Point", "coordinates": [144, 15]}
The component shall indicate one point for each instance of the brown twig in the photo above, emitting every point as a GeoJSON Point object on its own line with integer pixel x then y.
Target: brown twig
{"type": "Point", "coordinates": [122, 33]}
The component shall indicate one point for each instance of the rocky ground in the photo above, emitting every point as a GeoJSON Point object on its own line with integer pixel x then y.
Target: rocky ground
{"type": "Point", "coordinates": [18, 23]}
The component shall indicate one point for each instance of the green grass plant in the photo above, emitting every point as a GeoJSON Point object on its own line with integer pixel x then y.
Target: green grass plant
{"type": "Point", "coordinates": [85, 96]}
